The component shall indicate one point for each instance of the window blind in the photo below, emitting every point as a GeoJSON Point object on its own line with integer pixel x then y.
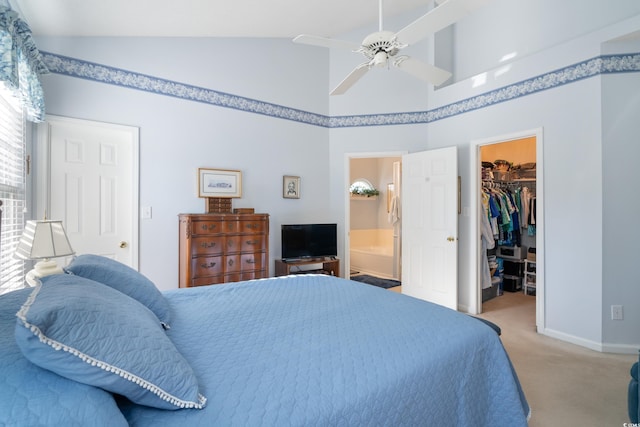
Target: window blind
{"type": "Point", "coordinates": [12, 189]}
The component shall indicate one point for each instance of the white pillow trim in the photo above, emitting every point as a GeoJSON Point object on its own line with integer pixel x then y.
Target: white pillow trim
{"type": "Point", "coordinates": [21, 314]}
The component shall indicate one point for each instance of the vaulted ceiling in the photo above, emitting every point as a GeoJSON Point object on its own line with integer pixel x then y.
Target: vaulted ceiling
{"type": "Point", "coordinates": [207, 18]}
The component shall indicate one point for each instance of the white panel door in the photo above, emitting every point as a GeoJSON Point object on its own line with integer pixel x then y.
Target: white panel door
{"type": "Point", "coordinates": [94, 186]}
{"type": "Point", "coordinates": [430, 226]}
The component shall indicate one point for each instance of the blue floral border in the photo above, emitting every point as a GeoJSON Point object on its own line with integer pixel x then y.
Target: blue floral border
{"type": "Point", "coordinates": [605, 64]}
{"type": "Point", "coordinates": [72, 67]}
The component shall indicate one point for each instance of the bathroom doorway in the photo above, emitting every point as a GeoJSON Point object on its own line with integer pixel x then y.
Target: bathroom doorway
{"type": "Point", "coordinates": [373, 218]}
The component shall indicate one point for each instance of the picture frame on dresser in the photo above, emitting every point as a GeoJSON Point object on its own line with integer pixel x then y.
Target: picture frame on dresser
{"type": "Point", "coordinates": [291, 187]}
{"type": "Point", "coordinates": [219, 183]}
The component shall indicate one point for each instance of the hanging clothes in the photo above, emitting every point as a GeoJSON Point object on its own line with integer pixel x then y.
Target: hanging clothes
{"type": "Point", "coordinates": [532, 218]}
{"type": "Point", "coordinates": [505, 215]}
{"type": "Point", "coordinates": [508, 210]}
{"type": "Point", "coordinates": [529, 211]}
{"type": "Point", "coordinates": [488, 242]}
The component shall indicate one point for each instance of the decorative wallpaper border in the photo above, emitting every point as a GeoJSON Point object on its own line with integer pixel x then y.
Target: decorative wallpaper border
{"type": "Point", "coordinates": [605, 64]}
{"type": "Point", "coordinates": [72, 67]}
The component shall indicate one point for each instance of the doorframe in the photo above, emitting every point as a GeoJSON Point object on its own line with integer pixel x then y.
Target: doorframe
{"type": "Point", "coordinates": [347, 199]}
{"type": "Point", "coordinates": [475, 188]}
{"type": "Point", "coordinates": [43, 173]}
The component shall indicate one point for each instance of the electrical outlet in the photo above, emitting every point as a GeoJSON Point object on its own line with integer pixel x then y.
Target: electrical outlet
{"type": "Point", "coordinates": [616, 312]}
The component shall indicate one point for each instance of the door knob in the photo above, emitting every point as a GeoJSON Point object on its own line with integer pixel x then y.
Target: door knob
{"type": "Point", "coordinates": [123, 244]}
{"type": "Point", "coordinates": [451, 239]}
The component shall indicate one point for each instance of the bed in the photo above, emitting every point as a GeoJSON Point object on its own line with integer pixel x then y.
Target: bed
{"type": "Point", "coordinates": [296, 350]}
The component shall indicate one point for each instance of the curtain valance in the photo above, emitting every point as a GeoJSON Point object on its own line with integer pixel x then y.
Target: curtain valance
{"type": "Point", "coordinates": [21, 63]}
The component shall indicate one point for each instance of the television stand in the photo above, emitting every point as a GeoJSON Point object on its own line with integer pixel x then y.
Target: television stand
{"type": "Point", "coordinates": [330, 266]}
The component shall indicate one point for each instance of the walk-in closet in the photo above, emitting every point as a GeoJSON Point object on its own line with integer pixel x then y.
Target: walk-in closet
{"type": "Point", "coordinates": [508, 218]}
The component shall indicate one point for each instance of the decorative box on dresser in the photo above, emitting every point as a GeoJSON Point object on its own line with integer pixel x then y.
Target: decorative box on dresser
{"type": "Point", "coordinates": [223, 247]}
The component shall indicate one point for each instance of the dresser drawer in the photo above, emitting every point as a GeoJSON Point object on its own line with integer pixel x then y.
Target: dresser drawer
{"type": "Point", "coordinates": [244, 262]}
{"type": "Point", "coordinates": [232, 264]}
{"type": "Point", "coordinates": [233, 277]}
{"type": "Point", "coordinates": [206, 227]}
{"type": "Point", "coordinates": [205, 281]}
{"type": "Point", "coordinates": [245, 243]}
{"type": "Point", "coordinates": [233, 244]}
{"type": "Point", "coordinates": [255, 243]}
{"type": "Point", "coordinates": [253, 261]}
{"type": "Point", "coordinates": [257, 226]}
{"type": "Point", "coordinates": [230, 226]}
{"type": "Point", "coordinates": [207, 245]}
{"type": "Point", "coordinates": [245, 275]}
{"type": "Point", "coordinates": [259, 274]}
{"type": "Point", "coordinates": [207, 266]}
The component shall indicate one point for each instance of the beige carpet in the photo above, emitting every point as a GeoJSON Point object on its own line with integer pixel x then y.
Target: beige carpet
{"type": "Point", "coordinates": [565, 384]}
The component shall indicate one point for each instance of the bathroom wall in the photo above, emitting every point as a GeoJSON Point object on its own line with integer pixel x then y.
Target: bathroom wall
{"type": "Point", "coordinates": [371, 213]}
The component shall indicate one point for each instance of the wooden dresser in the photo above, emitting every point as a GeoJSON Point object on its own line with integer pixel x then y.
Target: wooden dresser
{"type": "Point", "coordinates": [223, 247]}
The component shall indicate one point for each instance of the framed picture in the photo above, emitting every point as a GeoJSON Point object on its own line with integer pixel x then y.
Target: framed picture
{"type": "Point", "coordinates": [291, 187]}
{"type": "Point", "coordinates": [219, 183]}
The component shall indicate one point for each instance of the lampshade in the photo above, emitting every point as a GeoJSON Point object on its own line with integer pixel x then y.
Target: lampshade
{"type": "Point", "coordinates": [43, 239]}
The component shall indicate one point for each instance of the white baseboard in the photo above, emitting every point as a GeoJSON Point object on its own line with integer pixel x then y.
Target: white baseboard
{"type": "Point", "coordinates": [463, 308]}
{"type": "Point", "coordinates": [592, 345]}
{"type": "Point", "coordinates": [620, 348]}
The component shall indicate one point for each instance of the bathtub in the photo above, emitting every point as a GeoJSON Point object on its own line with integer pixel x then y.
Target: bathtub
{"type": "Point", "coordinates": [371, 252]}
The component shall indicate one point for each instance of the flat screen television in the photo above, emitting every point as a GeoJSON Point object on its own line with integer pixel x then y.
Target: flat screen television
{"type": "Point", "coordinates": [301, 241]}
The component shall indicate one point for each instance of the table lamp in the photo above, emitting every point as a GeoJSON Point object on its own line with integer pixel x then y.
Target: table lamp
{"type": "Point", "coordinates": [42, 240]}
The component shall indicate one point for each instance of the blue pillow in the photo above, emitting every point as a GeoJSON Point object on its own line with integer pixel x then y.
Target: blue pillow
{"type": "Point", "coordinates": [93, 334]}
{"type": "Point", "coordinates": [32, 396]}
{"type": "Point", "coordinates": [123, 278]}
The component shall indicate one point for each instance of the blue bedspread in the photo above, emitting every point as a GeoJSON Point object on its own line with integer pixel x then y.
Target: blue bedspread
{"type": "Point", "coordinates": [319, 350]}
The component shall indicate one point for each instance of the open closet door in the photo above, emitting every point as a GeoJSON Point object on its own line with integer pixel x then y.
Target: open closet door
{"type": "Point", "coordinates": [430, 226]}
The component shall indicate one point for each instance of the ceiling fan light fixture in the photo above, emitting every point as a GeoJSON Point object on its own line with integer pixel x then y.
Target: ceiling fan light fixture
{"type": "Point", "coordinates": [380, 59]}
{"type": "Point", "coordinates": [382, 47]}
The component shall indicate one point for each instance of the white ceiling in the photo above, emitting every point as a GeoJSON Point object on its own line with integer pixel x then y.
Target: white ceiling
{"type": "Point", "coordinates": [207, 18]}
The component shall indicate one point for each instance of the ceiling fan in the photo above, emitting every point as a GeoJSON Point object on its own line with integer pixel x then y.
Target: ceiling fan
{"type": "Point", "coordinates": [382, 47]}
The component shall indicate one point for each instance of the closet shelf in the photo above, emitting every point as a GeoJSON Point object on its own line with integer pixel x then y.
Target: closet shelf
{"type": "Point", "coordinates": [507, 181]}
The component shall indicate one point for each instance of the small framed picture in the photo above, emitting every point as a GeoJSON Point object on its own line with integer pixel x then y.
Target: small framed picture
{"type": "Point", "coordinates": [291, 187]}
{"type": "Point", "coordinates": [219, 183]}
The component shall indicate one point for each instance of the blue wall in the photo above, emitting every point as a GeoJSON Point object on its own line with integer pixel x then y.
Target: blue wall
{"type": "Point", "coordinates": [263, 108]}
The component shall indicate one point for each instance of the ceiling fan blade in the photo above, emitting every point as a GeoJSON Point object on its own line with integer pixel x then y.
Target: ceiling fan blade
{"type": "Point", "coordinates": [440, 17]}
{"type": "Point", "coordinates": [325, 42]}
{"type": "Point", "coordinates": [422, 70]}
{"type": "Point", "coordinates": [351, 79]}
